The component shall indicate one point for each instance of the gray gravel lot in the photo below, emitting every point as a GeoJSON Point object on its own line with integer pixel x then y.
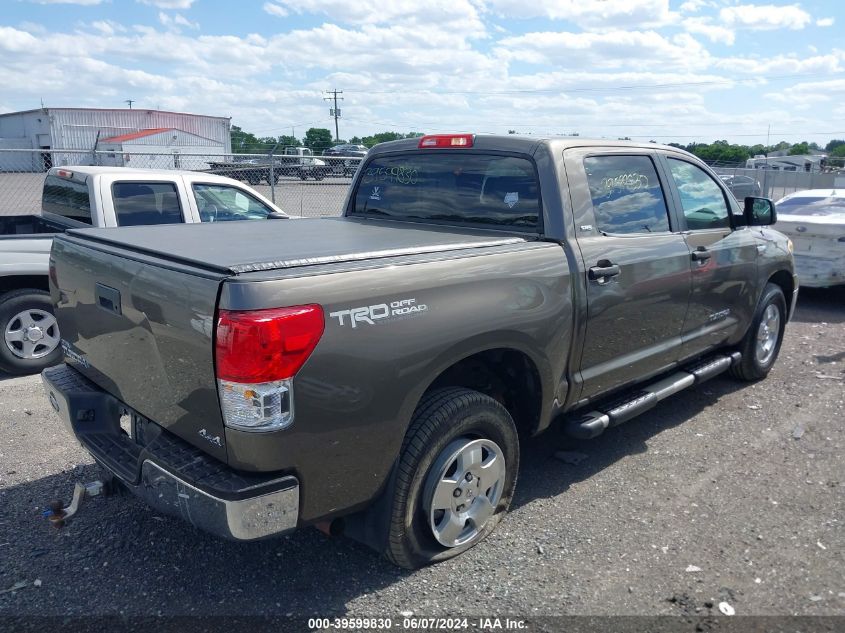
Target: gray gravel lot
{"type": "Point", "coordinates": [707, 498]}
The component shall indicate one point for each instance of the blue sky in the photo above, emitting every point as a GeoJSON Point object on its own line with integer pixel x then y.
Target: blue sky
{"type": "Point", "coordinates": [686, 70]}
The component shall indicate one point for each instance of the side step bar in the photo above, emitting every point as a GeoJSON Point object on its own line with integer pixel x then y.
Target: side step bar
{"type": "Point", "coordinates": [614, 412]}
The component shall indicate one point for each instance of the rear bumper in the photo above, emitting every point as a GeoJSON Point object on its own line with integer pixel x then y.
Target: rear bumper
{"type": "Point", "coordinates": [168, 473]}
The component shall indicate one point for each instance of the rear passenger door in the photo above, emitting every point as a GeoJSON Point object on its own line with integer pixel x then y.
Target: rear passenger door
{"type": "Point", "coordinates": [723, 260]}
{"type": "Point", "coordinates": [636, 265]}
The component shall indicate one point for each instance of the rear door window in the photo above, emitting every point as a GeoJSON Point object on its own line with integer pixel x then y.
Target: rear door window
{"type": "Point", "coordinates": [454, 187]}
{"type": "Point", "coordinates": [67, 198]}
{"type": "Point", "coordinates": [626, 194]}
{"type": "Point", "coordinates": [143, 203]}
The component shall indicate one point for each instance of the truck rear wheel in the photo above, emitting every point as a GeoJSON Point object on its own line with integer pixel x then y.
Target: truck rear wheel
{"type": "Point", "coordinates": [455, 477]}
{"type": "Point", "coordinates": [30, 332]}
{"type": "Point", "coordinates": [762, 342]}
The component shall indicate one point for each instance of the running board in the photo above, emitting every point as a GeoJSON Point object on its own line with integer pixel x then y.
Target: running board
{"type": "Point", "coordinates": [614, 412]}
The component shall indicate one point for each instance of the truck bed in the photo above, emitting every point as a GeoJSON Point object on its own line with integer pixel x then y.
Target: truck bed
{"type": "Point", "coordinates": [244, 247]}
{"type": "Point", "coordinates": [28, 226]}
{"type": "Point", "coordinates": [141, 301]}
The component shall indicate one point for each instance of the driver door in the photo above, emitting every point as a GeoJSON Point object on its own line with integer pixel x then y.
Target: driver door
{"type": "Point", "coordinates": [723, 259]}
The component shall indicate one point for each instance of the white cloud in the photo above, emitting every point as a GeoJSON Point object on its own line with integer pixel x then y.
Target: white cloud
{"type": "Point", "coordinates": [611, 49]}
{"type": "Point", "coordinates": [108, 27]}
{"type": "Point", "coordinates": [275, 9]}
{"type": "Point", "coordinates": [461, 15]}
{"type": "Point", "coordinates": [766, 17]}
{"type": "Point", "coordinates": [168, 4]}
{"type": "Point", "coordinates": [608, 14]}
{"type": "Point", "coordinates": [779, 65]}
{"type": "Point", "coordinates": [825, 22]}
{"type": "Point", "coordinates": [713, 32]}
{"type": "Point", "coordinates": [175, 21]}
{"type": "Point", "coordinates": [811, 92]}
{"type": "Point", "coordinates": [437, 67]}
{"type": "Point", "coordinates": [693, 6]}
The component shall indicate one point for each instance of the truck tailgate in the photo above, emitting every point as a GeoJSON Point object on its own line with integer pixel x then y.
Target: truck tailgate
{"type": "Point", "coordinates": [142, 330]}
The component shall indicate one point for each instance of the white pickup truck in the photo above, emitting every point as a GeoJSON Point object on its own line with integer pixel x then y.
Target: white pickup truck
{"type": "Point", "coordinates": [80, 197]}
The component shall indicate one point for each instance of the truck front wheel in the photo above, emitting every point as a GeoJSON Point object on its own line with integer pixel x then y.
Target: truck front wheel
{"type": "Point", "coordinates": [762, 342]}
{"type": "Point", "coordinates": [30, 332]}
{"type": "Point", "coordinates": [455, 477]}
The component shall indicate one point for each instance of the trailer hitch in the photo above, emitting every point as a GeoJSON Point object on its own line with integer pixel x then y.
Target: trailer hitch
{"type": "Point", "coordinates": [59, 514]}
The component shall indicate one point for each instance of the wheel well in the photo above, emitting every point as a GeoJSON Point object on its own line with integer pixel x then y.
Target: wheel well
{"type": "Point", "coordinates": [783, 279]}
{"type": "Point", "coordinates": [18, 282]}
{"type": "Point", "coordinates": [506, 375]}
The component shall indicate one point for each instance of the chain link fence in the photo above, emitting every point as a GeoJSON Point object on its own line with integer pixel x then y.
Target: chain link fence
{"type": "Point", "coordinates": [772, 183]}
{"type": "Point", "coordinates": [301, 184]}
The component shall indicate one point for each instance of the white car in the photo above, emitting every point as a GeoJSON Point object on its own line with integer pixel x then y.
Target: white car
{"type": "Point", "coordinates": [815, 221]}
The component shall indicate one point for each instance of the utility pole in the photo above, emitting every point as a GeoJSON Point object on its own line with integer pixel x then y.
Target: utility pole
{"type": "Point", "coordinates": [130, 102]}
{"type": "Point", "coordinates": [335, 112]}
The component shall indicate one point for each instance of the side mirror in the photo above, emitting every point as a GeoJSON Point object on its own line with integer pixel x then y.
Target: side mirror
{"type": "Point", "coordinates": [759, 212]}
{"type": "Point", "coordinates": [277, 215]}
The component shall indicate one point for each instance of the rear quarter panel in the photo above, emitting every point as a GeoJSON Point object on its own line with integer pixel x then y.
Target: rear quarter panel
{"type": "Point", "coordinates": [354, 397]}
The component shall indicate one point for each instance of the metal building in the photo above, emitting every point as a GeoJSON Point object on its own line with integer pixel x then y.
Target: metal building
{"type": "Point", "coordinates": [84, 129]}
{"type": "Point", "coordinates": [160, 148]}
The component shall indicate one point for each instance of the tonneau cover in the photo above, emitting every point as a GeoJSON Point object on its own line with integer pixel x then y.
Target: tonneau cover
{"type": "Point", "coordinates": [238, 247]}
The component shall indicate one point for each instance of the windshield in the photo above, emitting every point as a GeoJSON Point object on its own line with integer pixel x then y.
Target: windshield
{"type": "Point", "coordinates": [816, 205]}
{"type": "Point", "coordinates": [459, 186]}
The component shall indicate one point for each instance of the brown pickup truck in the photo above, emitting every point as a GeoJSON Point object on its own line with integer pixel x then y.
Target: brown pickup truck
{"type": "Point", "coordinates": [374, 372]}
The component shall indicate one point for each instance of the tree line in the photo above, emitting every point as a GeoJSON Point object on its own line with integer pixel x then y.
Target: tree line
{"type": "Point", "coordinates": [734, 154]}
{"type": "Point", "coordinates": [316, 139]}
{"type": "Point", "coordinates": [321, 139]}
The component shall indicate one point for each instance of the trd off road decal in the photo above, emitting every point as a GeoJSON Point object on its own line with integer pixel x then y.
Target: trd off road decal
{"type": "Point", "coordinates": [380, 312]}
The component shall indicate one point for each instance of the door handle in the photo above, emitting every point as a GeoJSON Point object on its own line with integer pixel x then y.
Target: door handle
{"type": "Point", "coordinates": [701, 255]}
{"type": "Point", "coordinates": [604, 270]}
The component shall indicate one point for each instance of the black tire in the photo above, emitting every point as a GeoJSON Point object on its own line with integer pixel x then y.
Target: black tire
{"type": "Point", "coordinates": [11, 304]}
{"type": "Point", "coordinates": [443, 417]}
{"type": "Point", "coordinates": [750, 368]}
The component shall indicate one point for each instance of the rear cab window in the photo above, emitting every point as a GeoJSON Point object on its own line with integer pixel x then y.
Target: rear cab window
{"type": "Point", "coordinates": [485, 190]}
{"type": "Point", "coordinates": [145, 203]}
{"type": "Point", "coordinates": [67, 198]}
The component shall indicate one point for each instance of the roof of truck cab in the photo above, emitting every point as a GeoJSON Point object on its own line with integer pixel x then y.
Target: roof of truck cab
{"type": "Point", "coordinates": [80, 172]}
{"type": "Point", "coordinates": [522, 143]}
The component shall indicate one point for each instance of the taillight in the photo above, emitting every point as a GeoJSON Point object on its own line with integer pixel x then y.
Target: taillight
{"type": "Point", "coordinates": [434, 141]}
{"type": "Point", "coordinates": [257, 354]}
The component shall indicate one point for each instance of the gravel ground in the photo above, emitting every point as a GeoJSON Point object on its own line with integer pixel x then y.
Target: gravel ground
{"type": "Point", "coordinates": [710, 497]}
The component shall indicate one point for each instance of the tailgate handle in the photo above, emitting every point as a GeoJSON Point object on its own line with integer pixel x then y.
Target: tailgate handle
{"type": "Point", "coordinates": [108, 299]}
